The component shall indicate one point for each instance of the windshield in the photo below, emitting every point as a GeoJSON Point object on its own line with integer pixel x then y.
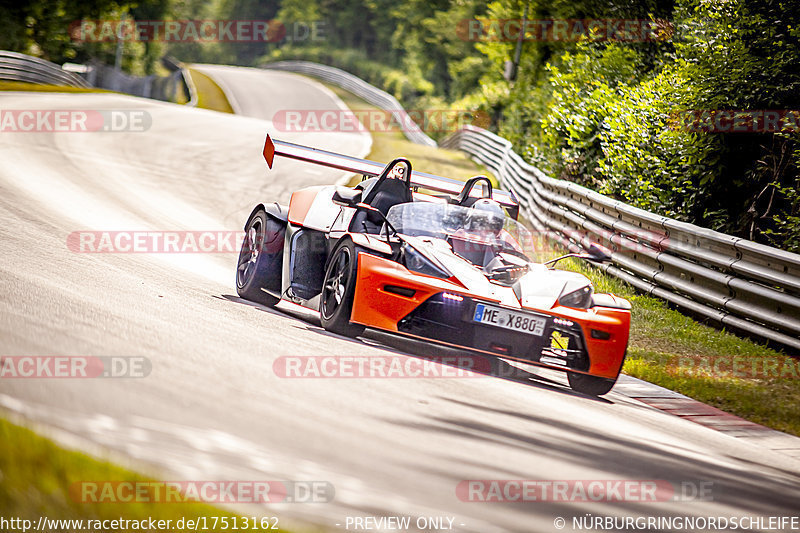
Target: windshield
{"type": "Point", "coordinates": [470, 232]}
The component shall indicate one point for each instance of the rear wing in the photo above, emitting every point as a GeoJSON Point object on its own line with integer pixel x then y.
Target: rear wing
{"type": "Point", "coordinates": [273, 147]}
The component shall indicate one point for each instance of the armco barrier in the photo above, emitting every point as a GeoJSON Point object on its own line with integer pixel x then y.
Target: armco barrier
{"type": "Point", "coordinates": [739, 283]}
{"type": "Point", "coordinates": [360, 88]}
{"type": "Point", "coordinates": [164, 88]}
{"type": "Point", "coordinates": [24, 68]}
{"type": "Point", "coordinates": [29, 69]}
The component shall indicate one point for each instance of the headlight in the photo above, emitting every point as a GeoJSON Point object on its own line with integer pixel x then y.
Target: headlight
{"type": "Point", "coordinates": [416, 262]}
{"type": "Point", "coordinates": [580, 299]}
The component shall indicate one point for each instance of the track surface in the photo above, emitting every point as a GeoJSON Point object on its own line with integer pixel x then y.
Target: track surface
{"type": "Point", "coordinates": [212, 408]}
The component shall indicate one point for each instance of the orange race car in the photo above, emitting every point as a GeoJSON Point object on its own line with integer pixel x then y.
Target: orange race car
{"type": "Point", "coordinates": [432, 258]}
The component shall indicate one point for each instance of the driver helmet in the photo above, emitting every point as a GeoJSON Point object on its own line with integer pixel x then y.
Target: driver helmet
{"type": "Point", "coordinates": [486, 215]}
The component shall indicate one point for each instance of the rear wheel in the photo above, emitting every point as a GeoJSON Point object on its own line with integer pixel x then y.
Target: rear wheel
{"type": "Point", "coordinates": [591, 385]}
{"type": "Point", "coordinates": [261, 259]}
{"type": "Point", "coordinates": [338, 290]}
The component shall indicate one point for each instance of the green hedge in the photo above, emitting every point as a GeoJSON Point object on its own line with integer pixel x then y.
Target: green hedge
{"type": "Point", "coordinates": [607, 115]}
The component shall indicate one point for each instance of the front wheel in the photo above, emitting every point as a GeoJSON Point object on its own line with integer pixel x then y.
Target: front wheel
{"type": "Point", "coordinates": [591, 385]}
{"type": "Point", "coordinates": [338, 291]}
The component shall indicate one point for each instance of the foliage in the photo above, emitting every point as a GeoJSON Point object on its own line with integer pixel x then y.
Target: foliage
{"type": "Point", "coordinates": [606, 114]}
{"type": "Point", "coordinates": [42, 28]}
{"type": "Point", "coordinates": [584, 87]}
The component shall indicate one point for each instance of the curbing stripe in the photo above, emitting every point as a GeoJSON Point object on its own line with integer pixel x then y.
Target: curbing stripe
{"type": "Point", "coordinates": [698, 412]}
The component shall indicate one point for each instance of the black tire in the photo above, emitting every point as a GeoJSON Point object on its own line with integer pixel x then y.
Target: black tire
{"type": "Point", "coordinates": [591, 385]}
{"type": "Point", "coordinates": [338, 290]}
{"type": "Point", "coordinates": [261, 259]}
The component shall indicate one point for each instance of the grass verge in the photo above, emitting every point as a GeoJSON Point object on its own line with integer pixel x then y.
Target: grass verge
{"type": "Point", "coordinates": [35, 87]}
{"type": "Point", "coordinates": [209, 94]}
{"type": "Point", "coordinates": [712, 365]}
{"type": "Point", "coordinates": [36, 476]}
{"type": "Point", "coordinates": [666, 347]}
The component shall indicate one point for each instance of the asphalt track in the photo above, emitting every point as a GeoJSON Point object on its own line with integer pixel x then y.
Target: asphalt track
{"type": "Point", "coordinates": [212, 408]}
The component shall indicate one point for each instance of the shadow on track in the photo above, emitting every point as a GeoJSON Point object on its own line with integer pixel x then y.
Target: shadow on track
{"type": "Point", "coordinates": [488, 365]}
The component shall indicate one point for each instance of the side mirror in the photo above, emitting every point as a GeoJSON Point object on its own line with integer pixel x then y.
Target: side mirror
{"type": "Point", "coordinates": [597, 254]}
{"type": "Point", "coordinates": [346, 197]}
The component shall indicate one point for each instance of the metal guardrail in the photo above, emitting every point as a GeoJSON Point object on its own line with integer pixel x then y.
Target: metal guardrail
{"type": "Point", "coordinates": [24, 68]}
{"type": "Point", "coordinates": [360, 88]}
{"type": "Point", "coordinates": [736, 282]}
{"type": "Point", "coordinates": [107, 77]}
{"type": "Point", "coordinates": [164, 88]}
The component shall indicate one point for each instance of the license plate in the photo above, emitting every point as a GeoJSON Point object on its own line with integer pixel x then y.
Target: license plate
{"type": "Point", "coordinates": [504, 318]}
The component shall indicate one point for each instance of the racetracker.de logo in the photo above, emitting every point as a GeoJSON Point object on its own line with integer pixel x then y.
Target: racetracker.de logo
{"type": "Point", "coordinates": [564, 30]}
{"type": "Point", "coordinates": [582, 490]}
{"type": "Point", "coordinates": [158, 242]}
{"type": "Point", "coordinates": [75, 367]}
{"type": "Point", "coordinates": [381, 366]}
{"type": "Point", "coordinates": [216, 492]}
{"type": "Point", "coordinates": [377, 120]}
{"type": "Point", "coordinates": [735, 366]}
{"type": "Point", "coordinates": [196, 31]}
{"type": "Point", "coordinates": [735, 120]}
{"type": "Point", "coordinates": [74, 120]}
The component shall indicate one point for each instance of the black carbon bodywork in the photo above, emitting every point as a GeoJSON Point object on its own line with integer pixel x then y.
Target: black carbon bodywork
{"type": "Point", "coordinates": [307, 263]}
